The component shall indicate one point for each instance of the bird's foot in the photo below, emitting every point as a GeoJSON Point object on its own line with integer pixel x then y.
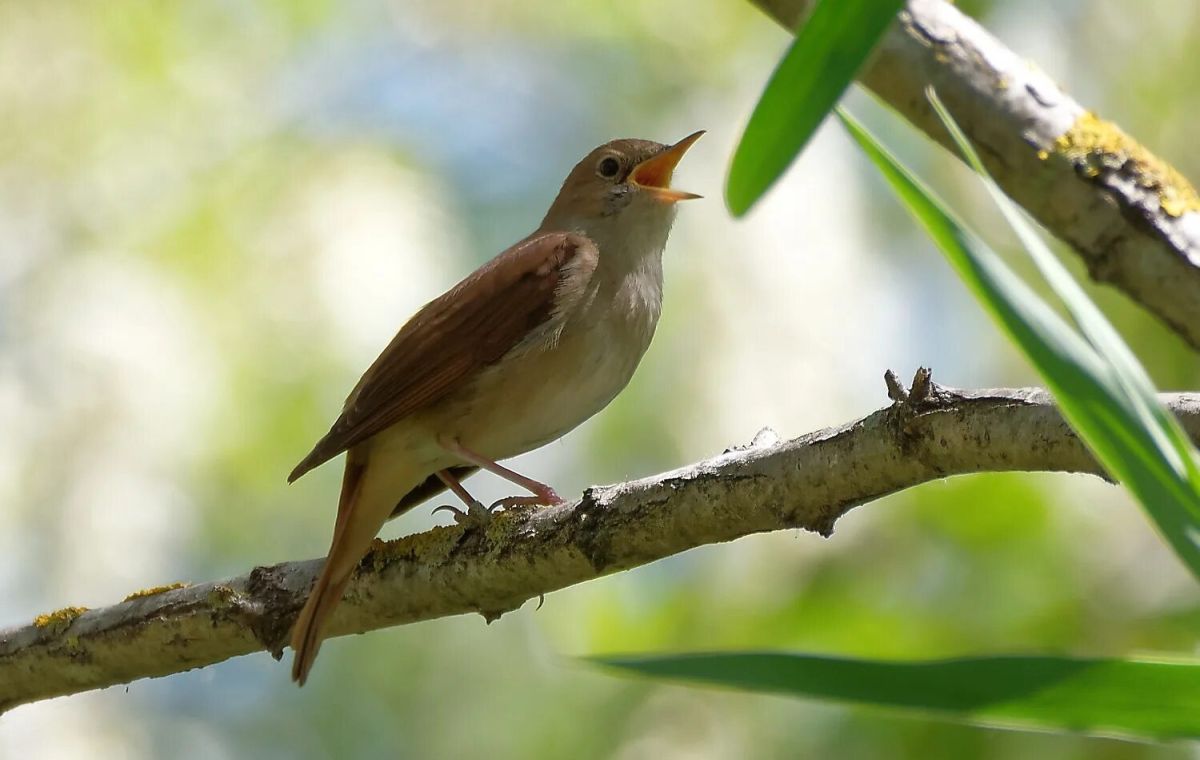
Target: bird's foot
{"type": "Point", "coordinates": [475, 516]}
{"type": "Point", "coordinates": [544, 498]}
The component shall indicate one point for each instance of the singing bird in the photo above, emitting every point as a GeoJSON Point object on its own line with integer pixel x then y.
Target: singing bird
{"type": "Point", "coordinates": [523, 350]}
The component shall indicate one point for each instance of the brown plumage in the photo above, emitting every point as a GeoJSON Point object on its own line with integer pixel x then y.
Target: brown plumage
{"type": "Point", "coordinates": [521, 351]}
{"type": "Point", "coordinates": [451, 338]}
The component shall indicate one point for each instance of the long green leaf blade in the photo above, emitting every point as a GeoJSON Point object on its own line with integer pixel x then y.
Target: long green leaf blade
{"type": "Point", "coordinates": [822, 61]}
{"type": "Point", "coordinates": [1109, 697]}
{"type": "Point", "coordinates": [1173, 443]}
{"type": "Point", "coordinates": [1090, 391]}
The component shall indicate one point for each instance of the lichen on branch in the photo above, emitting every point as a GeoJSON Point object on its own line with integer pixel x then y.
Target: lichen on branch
{"type": "Point", "coordinates": [927, 432]}
{"type": "Point", "coordinates": [1132, 218]}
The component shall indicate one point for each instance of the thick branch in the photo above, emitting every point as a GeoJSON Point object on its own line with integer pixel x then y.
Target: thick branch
{"type": "Point", "coordinates": [1133, 219]}
{"type": "Point", "coordinates": [809, 482]}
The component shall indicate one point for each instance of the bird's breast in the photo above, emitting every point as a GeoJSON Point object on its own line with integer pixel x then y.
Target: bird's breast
{"type": "Point", "coordinates": [541, 391]}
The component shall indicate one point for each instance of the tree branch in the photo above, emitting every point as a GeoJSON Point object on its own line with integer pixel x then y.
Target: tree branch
{"type": "Point", "coordinates": [1133, 218]}
{"type": "Point", "coordinates": [927, 433]}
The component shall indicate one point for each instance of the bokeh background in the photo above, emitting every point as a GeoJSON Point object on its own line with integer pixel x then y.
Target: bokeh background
{"type": "Point", "coordinates": [213, 215]}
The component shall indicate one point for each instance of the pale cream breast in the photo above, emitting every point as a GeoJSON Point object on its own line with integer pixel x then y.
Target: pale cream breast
{"type": "Point", "coordinates": [544, 393]}
{"type": "Point", "coordinates": [573, 365]}
{"type": "Point", "coordinates": [561, 377]}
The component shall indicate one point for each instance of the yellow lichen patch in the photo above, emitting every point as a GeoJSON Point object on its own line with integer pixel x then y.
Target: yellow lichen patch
{"type": "Point", "coordinates": [221, 596]}
{"type": "Point", "coordinates": [1097, 146]}
{"type": "Point", "coordinates": [432, 543]}
{"type": "Point", "coordinates": [155, 590]}
{"type": "Point", "coordinates": [59, 620]}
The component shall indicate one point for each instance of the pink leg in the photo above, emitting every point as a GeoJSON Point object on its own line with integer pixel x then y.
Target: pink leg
{"type": "Point", "coordinates": [542, 493]}
{"type": "Point", "coordinates": [475, 513]}
{"type": "Point", "coordinates": [456, 487]}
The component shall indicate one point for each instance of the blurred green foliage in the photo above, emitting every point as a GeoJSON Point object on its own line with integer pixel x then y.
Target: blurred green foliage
{"type": "Point", "coordinates": [1141, 699]}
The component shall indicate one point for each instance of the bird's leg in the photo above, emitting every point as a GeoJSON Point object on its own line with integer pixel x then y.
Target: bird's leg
{"type": "Point", "coordinates": [476, 513]}
{"type": "Point", "coordinates": [543, 495]}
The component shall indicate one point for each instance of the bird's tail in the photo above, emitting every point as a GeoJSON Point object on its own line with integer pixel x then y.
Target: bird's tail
{"type": "Point", "coordinates": [356, 526]}
{"type": "Point", "coordinates": [307, 635]}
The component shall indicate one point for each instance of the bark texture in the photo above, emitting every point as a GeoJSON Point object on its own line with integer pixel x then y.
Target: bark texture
{"type": "Point", "coordinates": [928, 432]}
{"type": "Point", "coordinates": [1131, 217]}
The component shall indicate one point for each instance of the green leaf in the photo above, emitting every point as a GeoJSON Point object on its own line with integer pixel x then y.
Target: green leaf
{"type": "Point", "coordinates": [1108, 697]}
{"type": "Point", "coordinates": [1169, 437]}
{"type": "Point", "coordinates": [822, 61]}
{"type": "Point", "coordinates": [1104, 395]}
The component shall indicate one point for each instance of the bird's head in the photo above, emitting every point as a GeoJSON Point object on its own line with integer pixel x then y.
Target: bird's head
{"type": "Point", "coordinates": [622, 181]}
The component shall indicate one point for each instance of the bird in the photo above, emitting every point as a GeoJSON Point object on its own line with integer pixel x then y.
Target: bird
{"type": "Point", "coordinates": [517, 354]}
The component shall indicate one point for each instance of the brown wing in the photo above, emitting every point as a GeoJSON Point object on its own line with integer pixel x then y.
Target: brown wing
{"type": "Point", "coordinates": [451, 338]}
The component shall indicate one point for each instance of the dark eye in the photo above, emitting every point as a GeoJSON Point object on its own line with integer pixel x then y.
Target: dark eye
{"type": "Point", "coordinates": [608, 167]}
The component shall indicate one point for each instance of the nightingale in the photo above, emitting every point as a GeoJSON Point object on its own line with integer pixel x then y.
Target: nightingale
{"type": "Point", "coordinates": [514, 356]}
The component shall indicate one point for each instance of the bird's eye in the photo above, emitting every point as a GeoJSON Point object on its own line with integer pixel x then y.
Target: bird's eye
{"type": "Point", "coordinates": [608, 167]}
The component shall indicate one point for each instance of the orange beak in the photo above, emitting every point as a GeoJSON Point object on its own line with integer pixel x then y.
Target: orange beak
{"type": "Point", "coordinates": [654, 174]}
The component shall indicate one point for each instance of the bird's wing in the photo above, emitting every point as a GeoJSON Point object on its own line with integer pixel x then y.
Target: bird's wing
{"type": "Point", "coordinates": [454, 336]}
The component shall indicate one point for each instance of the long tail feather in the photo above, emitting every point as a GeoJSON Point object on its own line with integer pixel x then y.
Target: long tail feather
{"type": "Point", "coordinates": [307, 635]}
{"type": "Point", "coordinates": [331, 584]}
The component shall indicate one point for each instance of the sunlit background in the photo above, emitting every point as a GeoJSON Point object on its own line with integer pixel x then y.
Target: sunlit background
{"type": "Point", "coordinates": [213, 215]}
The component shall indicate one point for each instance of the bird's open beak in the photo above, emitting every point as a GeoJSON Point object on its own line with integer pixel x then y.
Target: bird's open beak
{"type": "Point", "coordinates": [654, 174]}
